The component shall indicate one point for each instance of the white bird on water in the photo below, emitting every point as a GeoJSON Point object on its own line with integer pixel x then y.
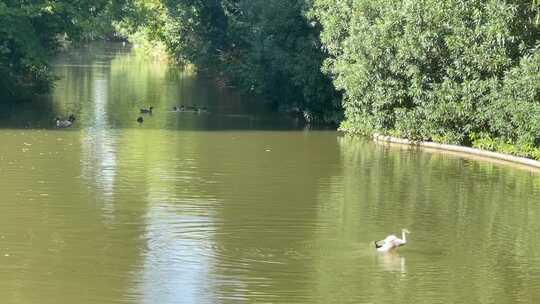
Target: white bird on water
{"type": "Point", "coordinates": [392, 241]}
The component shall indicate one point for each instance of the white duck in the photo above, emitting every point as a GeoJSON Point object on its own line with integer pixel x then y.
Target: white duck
{"type": "Point", "coordinates": [392, 241]}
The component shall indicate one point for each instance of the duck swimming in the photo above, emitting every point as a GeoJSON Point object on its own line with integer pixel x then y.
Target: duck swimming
{"type": "Point", "coordinates": [147, 111]}
{"type": "Point", "coordinates": [202, 110]}
{"type": "Point", "coordinates": [65, 123]}
{"type": "Point", "coordinates": [140, 119]}
{"type": "Point", "coordinates": [392, 241]}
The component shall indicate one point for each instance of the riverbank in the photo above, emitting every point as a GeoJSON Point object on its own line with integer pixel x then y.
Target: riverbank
{"type": "Point", "coordinates": [459, 149]}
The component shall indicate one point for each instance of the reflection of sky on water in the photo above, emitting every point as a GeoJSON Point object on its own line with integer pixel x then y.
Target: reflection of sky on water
{"type": "Point", "coordinates": [177, 263]}
{"type": "Point", "coordinates": [99, 146]}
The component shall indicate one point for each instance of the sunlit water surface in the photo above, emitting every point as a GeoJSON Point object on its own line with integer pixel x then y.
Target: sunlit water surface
{"type": "Point", "coordinates": [241, 205]}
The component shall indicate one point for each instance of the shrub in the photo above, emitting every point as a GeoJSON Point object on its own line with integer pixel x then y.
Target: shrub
{"type": "Point", "coordinates": [436, 70]}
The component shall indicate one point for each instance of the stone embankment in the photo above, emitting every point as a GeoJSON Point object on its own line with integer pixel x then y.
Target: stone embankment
{"type": "Point", "coordinates": [460, 149]}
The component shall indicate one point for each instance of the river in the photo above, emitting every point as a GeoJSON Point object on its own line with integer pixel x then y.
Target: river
{"type": "Point", "coordinates": [240, 204]}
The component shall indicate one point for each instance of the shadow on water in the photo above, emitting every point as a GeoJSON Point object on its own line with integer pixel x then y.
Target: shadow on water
{"type": "Point", "coordinates": [36, 114]}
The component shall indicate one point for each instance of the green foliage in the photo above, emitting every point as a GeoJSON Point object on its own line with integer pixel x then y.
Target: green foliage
{"type": "Point", "coordinates": [276, 52]}
{"type": "Point", "coordinates": [436, 70]}
{"type": "Point", "coordinates": [31, 31]}
{"type": "Point", "coordinates": [194, 31]}
{"type": "Point", "coordinates": [514, 114]}
{"type": "Point", "coordinates": [485, 142]}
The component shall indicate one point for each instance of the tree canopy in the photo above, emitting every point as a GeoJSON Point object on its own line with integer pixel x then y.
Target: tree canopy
{"type": "Point", "coordinates": [32, 31]}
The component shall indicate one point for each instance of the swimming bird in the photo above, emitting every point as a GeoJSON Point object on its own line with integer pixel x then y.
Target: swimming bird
{"type": "Point", "coordinates": [147, 111]}
{"type": "Point", "coordinates": [392, 241]}
{"type": "Point", "coordinates": [202, 110]}
{"type": "Point", "coordinates": [178, 109]}
{"type": "Point", "coordinates": [65, 123]}
{"type": "Point", "coordinates": [140, 119]}
{"type": "Point", "coordinates": [308, 117]}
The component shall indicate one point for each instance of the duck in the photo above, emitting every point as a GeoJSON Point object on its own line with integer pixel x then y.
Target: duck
{"type": "Point", "coordinates": [392, 241]}
{"type": "Point", "coordinates": [308, 117]}
{"type": "Point", "coordinates": [140, 119]}
{"type": "Point", "coordinates": [202, 110]}
{"type": "Point", "coordinates": [179, 109]}
{"type": "Point", "coordinates": [65, 123]}
{"type": "Point", "coordinates": [147, 111]}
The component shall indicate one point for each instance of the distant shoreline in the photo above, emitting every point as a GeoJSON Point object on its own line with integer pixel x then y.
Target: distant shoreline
{"type": "Point", "coordinates": [461, 149]}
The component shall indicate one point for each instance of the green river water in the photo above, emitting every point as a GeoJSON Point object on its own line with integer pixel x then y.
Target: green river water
{"type": "Point", "coordinates": [241, 205]}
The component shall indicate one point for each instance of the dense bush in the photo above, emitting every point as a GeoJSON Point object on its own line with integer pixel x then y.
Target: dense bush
{"type": "Point", "coordinates": [436, 70]}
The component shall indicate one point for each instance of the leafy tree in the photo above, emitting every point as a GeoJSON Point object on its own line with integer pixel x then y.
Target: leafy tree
{"type": "Point", "coordinates": [275, 51]}
{"type": "Point", "coordinates": [436, 70]}
{"type": "Point", "coordinates": [31, 31]}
